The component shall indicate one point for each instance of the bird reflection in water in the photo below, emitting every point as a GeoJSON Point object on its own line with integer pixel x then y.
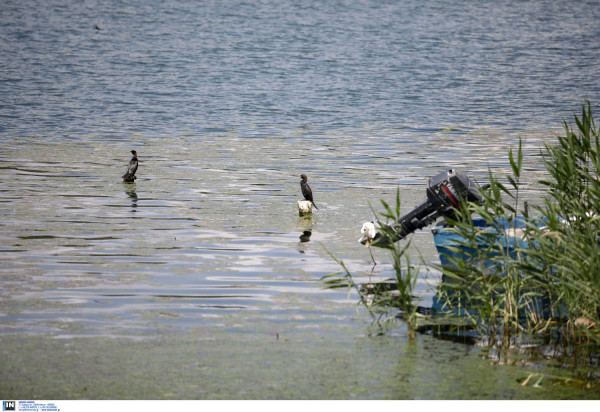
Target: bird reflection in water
{"type": "Point", "coordinates": [130, 191]}
{"type": "Point", "coordinates": [305, 225]}
{"type": "Point", "coordinates": [305, 236]}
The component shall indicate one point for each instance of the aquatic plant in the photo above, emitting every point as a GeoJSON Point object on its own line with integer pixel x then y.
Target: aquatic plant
{"type": "Point", "coordinates": [568, 250]}
{"type": "Point", "coordinates": [385, 304]}
{"type": "Point", "coordinates": [521, 275]}
{"type": "Point", "coordinates": [405, 275]}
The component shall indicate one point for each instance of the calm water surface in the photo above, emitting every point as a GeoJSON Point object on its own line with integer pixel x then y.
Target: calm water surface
{"type": "Point", "coordinates": [227, 103]}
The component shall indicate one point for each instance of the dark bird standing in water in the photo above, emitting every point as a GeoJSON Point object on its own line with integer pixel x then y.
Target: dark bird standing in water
{"type": "Point", "coordinates": [306, 192]}
{"type": "Point", "coordinates": [129, 177]}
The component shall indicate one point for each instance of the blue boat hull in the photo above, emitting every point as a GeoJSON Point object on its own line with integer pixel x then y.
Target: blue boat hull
{"type": "Point", "coordinates": [504, 233]}
{"type": "Point", "coordinates": [506, 237]}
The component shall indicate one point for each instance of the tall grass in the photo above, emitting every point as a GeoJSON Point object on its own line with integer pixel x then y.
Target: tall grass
{"type": "Point", "coordinates": [545, 282]}
{"type": "Point", "coordinates": [567, 252]}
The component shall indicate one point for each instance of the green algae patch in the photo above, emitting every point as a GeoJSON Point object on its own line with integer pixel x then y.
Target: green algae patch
{"type": "Point", "coordinates": [297, 363]}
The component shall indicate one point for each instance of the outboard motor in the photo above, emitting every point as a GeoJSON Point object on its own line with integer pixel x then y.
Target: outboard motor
{"type": "Point", "coordinates": [446, 191]}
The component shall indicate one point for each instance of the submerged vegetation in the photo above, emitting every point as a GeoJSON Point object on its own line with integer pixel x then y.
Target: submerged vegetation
{"type": "Point", "coordinates": [515, 274]}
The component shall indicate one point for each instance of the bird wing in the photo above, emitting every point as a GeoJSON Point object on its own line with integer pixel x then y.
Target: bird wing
{"type": "Point", "coordinates": [132, 168]}
{"type": "Point", "coordinates": [306, 192]}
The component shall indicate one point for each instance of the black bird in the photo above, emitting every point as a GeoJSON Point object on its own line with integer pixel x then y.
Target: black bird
{"type": "Point", "coordinates": [306, 192]}
{"type": "Point", "coordinates": [129, 177]}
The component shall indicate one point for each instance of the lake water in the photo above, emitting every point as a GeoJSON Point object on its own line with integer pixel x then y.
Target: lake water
{"type": "Point", "coordinates": [201, 277]}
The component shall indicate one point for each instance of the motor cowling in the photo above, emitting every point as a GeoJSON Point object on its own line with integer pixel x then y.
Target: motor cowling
{"type": "Point", "coordinates": [446, 192]}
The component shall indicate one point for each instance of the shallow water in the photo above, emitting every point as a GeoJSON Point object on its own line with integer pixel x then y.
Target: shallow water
{"type": "Point", "coordinates": [227, 104]}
